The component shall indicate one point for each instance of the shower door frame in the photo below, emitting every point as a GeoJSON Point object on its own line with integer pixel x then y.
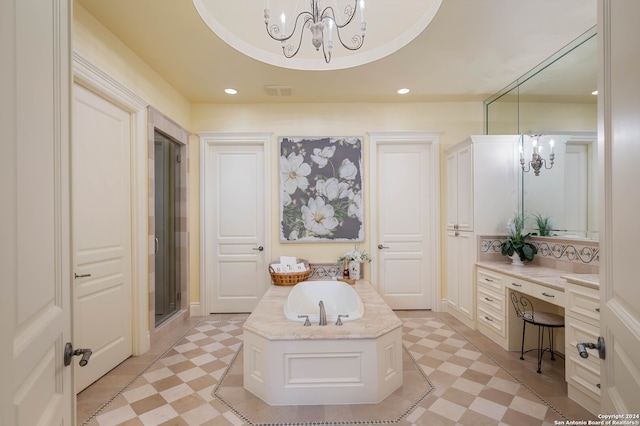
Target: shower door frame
{"type": "Point", "coordinates": [160, 122]}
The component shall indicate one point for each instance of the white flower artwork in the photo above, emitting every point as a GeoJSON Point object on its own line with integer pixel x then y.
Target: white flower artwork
{"type": "Point", "coordinates": [321, 196]}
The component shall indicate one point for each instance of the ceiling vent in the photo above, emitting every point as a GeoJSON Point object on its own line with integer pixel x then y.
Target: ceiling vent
{"type": "Point", "coordinates": [278, 90]}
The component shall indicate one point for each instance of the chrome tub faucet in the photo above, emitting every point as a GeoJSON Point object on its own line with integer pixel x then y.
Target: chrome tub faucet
{"type": "Point", "coordinates": [323, 314]}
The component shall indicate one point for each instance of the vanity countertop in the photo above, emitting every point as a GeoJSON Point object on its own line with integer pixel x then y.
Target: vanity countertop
{"type": "Point", "coordinates": [268, 320]}
{"type": "Point", "coordinates": [585, 280]}
{"type": "Point", "coordinates": [548, 277]}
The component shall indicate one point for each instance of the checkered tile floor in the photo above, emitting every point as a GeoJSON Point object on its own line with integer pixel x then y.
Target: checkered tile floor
{"type": "Point", "coordinates": [466, 386]}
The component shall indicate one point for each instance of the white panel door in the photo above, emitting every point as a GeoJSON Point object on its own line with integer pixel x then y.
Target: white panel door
{"type": "Point", "coordinates": [35, 320]}
{"type": "Point", "coordinates": [235, 213]}
{"type": "Point", "coordinates": [406, 216]}
{"type": "Point", "coordinates": [618, 130]}
{"type": "Point", "coordinates": [101, 190]}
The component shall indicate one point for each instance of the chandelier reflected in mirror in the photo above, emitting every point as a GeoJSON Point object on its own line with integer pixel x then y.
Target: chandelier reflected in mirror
{"type": "Point", "coordinates": [323, 20]}
{"type": "Point", "coordinates": [537, 162]}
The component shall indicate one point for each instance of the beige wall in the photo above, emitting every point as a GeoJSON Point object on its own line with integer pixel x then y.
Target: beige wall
{"type": "Point", "coordinates": [455, 120]}
{"type": "Point", "coordinates": [105, 50]}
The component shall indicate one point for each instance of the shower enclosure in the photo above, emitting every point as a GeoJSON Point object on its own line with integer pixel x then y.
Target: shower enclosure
{"type": "Point", "coordinates": [167, 241]}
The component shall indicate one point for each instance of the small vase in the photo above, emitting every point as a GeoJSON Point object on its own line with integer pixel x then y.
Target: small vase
{"type": "Point", "coordinates": [354, 270]}
{"type": "Point", "coordinates": [515, 260]}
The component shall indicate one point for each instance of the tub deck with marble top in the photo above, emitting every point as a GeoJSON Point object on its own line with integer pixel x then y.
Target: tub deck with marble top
{"type": "Point", "coordinates": [286, 363]}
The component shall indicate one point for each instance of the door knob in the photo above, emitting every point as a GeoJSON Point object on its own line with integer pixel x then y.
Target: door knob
{"type": "Point", "coordinates": [258, 248]}
{"type": "Point", "coordinates": [583, 346]}
{"type": "Point", "coordinates": [70, 352]}
{"type": "Point", "coordinates": [380, 246]}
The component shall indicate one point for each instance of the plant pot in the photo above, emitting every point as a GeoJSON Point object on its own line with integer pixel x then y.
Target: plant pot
{"type": "Point", "coordinates": [515, 260]}
{"type": "Point", "coordinates": [355, 269]}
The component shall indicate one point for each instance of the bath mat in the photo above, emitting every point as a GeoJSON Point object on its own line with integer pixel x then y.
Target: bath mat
{"type": "Point", "coordinates": [253, 411]}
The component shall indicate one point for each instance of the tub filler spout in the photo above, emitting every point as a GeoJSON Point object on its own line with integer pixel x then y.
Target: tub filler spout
{"type": "Point", "coordinates": [323, 314]}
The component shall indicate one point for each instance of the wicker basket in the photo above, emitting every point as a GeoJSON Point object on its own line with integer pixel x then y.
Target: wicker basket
{"type": "Point", "coordinates": [289, 278]}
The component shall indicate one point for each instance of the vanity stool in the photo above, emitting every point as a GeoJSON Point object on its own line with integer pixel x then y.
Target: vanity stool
{"type": "Point", "coordinates": [544, 320]}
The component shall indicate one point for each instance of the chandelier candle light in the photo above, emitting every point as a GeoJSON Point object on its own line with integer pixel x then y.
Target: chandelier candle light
{"type": "Point", "coordinates": [320, 20]}
{"type": "Point", "coordinates": [537, 161]}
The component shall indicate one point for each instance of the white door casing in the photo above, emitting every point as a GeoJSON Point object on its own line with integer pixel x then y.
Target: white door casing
{"type": "Point", "coordinates": [619, 150]}
{"type": "Point", "coordinates": [101, 233]}
{"type": "Point", "coordinates": [235, 194]}
{"type": "Point", "coordinates": [95, 79]}
{"type": "Point", "coordinates": [405, 218]}
{"type": "Point", "coordinates": [35, 320]}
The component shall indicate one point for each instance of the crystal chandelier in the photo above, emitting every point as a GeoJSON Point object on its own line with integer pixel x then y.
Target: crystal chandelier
{"type": "Point", "coordinates": [537, 161]}
{"type": "Point", "coordinates": [321, 21]}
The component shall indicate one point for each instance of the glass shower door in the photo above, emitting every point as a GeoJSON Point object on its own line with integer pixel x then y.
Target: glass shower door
{"type": "Point", "coordinates": [167, 247]}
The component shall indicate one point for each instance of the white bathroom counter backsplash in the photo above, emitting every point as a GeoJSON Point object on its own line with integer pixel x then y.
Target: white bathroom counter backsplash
{"type": "Point", "coordinates": [268, 320]}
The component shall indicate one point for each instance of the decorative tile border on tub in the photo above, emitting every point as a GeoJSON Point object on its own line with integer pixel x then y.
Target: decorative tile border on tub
{"type": "Point", "coordinates": [325, 271]}
{"type": "Point", "coordinates": [582, 252]}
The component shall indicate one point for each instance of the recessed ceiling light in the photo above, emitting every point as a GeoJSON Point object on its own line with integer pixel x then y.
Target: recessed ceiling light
{"type": "Point", "coordinates": [595, 92]}
{"type": "Point", "coordinates": [403, 91]}
{"type": "Point", "coordinates": [230, 91]}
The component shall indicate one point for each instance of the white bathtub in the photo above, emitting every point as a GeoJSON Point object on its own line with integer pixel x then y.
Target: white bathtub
{"type": "Point", "coordinates": [339, 298]}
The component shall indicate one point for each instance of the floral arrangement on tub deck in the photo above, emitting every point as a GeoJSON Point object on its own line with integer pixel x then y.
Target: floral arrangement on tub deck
{"type": "Point", "coordinates": [321, 197]}
{"type": "Point", "coordinates": [355, 255]}
{"type": "Point", "coordinates": [516, 240]}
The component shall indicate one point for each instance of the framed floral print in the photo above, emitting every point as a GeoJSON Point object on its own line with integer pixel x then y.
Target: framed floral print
{"type": "Point", "coordinates": [321, 197]}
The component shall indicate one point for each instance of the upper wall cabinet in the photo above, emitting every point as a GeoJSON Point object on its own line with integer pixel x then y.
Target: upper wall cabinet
{"type": "Point", "coordinates": [459, 165]}
{"type": "Point", "coordinates": [482, 175]}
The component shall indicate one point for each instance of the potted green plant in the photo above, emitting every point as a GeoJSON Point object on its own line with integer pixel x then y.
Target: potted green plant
{"type": "Point", "coordinates": [545, 225]}
{"type": "Point", "coordinates": [516, 243]}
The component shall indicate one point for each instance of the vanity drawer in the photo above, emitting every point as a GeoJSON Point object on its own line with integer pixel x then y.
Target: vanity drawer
{"type": "Point", "coordinates": [491, 280]}
{"type": "Point", "coordinates": [547, 294]}
{"type": "Point", "coordinates": [490, 298]}
{"type": "Point", "coordinates": [522, 286]}
{"type": "Point", "coordinates": [583, 303]}
{"type": "Point", "coordinates": [584, 375]}
{"type": "Point", "coordinates": [490, 319]}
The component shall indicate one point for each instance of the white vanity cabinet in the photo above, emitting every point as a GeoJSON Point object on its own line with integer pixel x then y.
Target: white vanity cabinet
{"type": "Point", "coordinates": [481, 194]}
{"type": "Point", "coordinates": [491, 305]}
{"type": "Point", "coordinates": [582, 324]}
{"type": "Point", "coordinates": [495, 315]}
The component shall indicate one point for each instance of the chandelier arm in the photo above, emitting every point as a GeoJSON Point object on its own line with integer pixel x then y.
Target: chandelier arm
{"type": "Point", "coordinates": [274, 29]}
{"type": "Point", "coordinates": [551, 158]}
{"type": "Point", "coordinates": [358, 41]}
{"type": "Point", "coordinates": [287, 49]}
{"type": "Point", "coordinates": [329, 12]}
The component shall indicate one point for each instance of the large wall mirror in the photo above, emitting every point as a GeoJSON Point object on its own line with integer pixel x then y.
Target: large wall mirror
{"type": "Point", "coordinates": [556, 100]}
{"type": "Point", "coordinates": [567, 192]}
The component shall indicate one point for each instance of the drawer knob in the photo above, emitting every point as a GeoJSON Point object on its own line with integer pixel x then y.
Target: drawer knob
{"type": "Point", "coordinates": [488, 279]}
{"type": "Point", "coordinates": [516, 285]}
{"type": "Point", "coordinates": [488, 300]}
{"type": "Point", "coordinates": [597, 309]}
{"type": "Point", "coordinates": [488, 319]}
{"type": "Point", "coordinates": [548, 295]}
